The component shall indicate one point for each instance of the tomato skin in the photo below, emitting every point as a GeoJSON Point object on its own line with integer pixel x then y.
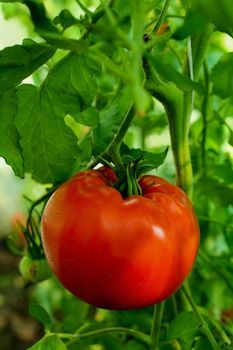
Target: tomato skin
{"type": "Point", "coordinates": [118, 253]}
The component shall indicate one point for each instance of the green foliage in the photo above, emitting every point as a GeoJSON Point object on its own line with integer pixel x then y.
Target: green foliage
{"type": "Point", "coordinates": [221, 76]}
{"type": "Point", "coordinates": [218, 12]}
{"type": "Point", "coordinates": [110, 119]}
{"type": "Point", "coordinates": [180, 80]}
{"type": "Point", "coordinates": [49, 343]}
{"type": "Point", "coordinates": [41, 315]}
{"type": "Point", "coordinates": [42, 157]}
{"type": "Point", "coordinates": [109, 77]}
{"type": "Point", "coordinates": [183, 328]}
{"type": "Point", "coordinates": [20, 61]}
{"type": "Point", "coordinates": [134, 345]}
{"type": "Point", "coordinates": [9, 141]}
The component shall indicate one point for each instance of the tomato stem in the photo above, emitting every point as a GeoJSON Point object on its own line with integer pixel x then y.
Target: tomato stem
{"type": "Point", "coordinates": [74, 338]}
{"type": "Point", "coordinates": [205, 115]}
{"type": "Point", "coordinates": [216, 324]}
{"type": "Point", "coordinates": [203, 325]}
{"type": "Point", "coordinates": [83, 7]}
{"type": "Point", "coordinates": [162, 16]}
{"type": "Point", "coordinates": [31, 231]}
{"type": "Point", "coordinates": [156, 325]}
{"type": "Point", "coordinates": [113, 149]}
{"type": "Point", "coordinates": [178, 106]}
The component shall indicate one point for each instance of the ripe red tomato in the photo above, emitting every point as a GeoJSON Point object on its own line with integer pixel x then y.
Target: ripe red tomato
{"type": "Point", "coordinates": [118, 253]}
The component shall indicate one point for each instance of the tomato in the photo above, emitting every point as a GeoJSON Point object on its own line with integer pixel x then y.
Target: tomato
{"type": "Point", "coordinates": [34, 270]}
{"type": "Point", "coordinates": [118, 253]}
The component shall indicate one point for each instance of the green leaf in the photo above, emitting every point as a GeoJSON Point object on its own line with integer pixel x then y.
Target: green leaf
{"type": "Point", "coordinates": [89, 116]}
{"type": "Point", "coordinates": [221, 192]}
{"type": "Point", "coordinates": [39, 17]}
{"type": "Point", "coordinates": [86, 149]}
{"type": "Point", "coordinates": [184, 328]}
{"type": "Point", "coordinates": [9, 137]}
{"type": "Point", "coordinates": [222, 76]}
{"type": "Point", "coordinates": [150, 161]}
{"type": "Point", "coordinates": [41, 315]}
{"type": "Point", "coordinates": [218, 12]}
{"type": "Point", "coordinates": [20, 61]}
{"type": "Point", "coordinates": [49, 146]}
{"type": "Point", "coordinates": [65, 19]}
{"type": "Point", "coordinates": [203, 343]}
{"type": "Point", "coordinates": [144, 161]}
{"type": "Point", "coordinates": [71, 87]}
{"type": "Point", "coordinates": [181, 81]}
{"type": "Point", "coordinates": [45, 27]}
{"type": "Point", "coordinates": [51, 342]}
{"type": "Point", "coordinates": [194, 23]}
{"type": "Point", "coordinates": [110, 119]}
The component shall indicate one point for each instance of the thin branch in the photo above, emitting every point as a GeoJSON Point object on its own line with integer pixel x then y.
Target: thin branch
{"type": "Point", "coordinates": [156, 325]}
{"type": "Point", "coordinates": [77, 337]}
{"type": "Point", "coordinates": [84, 8]}
{"type": "Point", "coordinates": [204, 328]}
{"type": "Point", "coordinates": [162, 15]}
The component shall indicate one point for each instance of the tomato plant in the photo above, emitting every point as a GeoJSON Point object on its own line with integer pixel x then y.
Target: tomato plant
{"type": "Point", "coordinates": [125, 124]}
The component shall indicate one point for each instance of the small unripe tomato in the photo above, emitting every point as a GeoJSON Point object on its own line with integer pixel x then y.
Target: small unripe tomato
{"type": "Point", "coordinates": [115, 252]}
{"type": "Point", "coordinates": [34, 270]}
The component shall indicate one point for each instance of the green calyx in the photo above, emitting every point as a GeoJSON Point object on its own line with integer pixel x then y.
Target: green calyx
{"type": "Point", "coordinates": [128, 181]}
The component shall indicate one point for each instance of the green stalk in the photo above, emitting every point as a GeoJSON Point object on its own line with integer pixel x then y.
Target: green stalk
{"type": "Point", "coordinates": [216, 324]}
{"type": "Point", "coordinates": [83, 7]}
{"type": "Point", "coordinates": [179, 105]}
{"type": "Point", "coordinates": [204, 328]}
{"type": "Point", "coordinates": [205, 116]}
{"type": "Point", "coordinates": [73, 339]}
{"type": "Point", "coordinates": [113, 149]}
{"type": "Point", "coordinates": [162, 15]}
{"type": "Point", "coordinates": [156, 325]}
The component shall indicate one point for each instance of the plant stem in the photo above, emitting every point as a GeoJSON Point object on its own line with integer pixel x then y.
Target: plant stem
{"type": "Point", "coordinates": [162, 15]}
{"type": "Point", "coordinates": [113, 149]}
{"type": "Point", "coordinates": [216, 324]}
{"type": "Point", "coordinates": [203, 325]}
{"type": "Point", "coordinates": [99, 57]}
{"type": "Point", "coordinates": [77, 337]}
{"type": "Point", "coordinates": [83, 7]}
{"type": "Point", "coordinates": [197, 47]}
{"type": "Point", "coordinates": [174, 304]}
{"type": "Point", "coordinates": [156, 325]}
{"type": "Point", "coordinates": [205, 117]}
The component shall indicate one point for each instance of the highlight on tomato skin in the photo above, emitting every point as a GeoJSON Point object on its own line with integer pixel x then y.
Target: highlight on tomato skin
{"type": "Point", "coordinates": [117, 253]}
